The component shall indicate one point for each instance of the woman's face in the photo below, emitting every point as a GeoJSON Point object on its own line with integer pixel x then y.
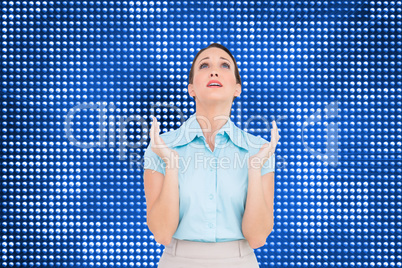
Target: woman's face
{"type": "Point", "coordinates": [214, 77]}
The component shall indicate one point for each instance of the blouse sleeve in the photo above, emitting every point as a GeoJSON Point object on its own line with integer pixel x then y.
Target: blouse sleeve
{"type": "Point", "coordinates": [269, 165]}
{"type": "Point", "coordinates": [153, 161]}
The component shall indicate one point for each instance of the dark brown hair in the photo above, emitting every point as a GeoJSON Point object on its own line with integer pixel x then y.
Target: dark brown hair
{"type": "Point", "coordinates": [237, 74]}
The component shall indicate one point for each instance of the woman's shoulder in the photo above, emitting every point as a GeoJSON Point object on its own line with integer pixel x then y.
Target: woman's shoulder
{"type": "Point", "coordinates": [253, 141]}
{"type": "Point", "coordinates": [171, 137]}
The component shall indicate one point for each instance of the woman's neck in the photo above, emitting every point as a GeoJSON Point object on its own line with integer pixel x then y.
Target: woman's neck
{"type": "Point", "coordinates": [211, 120]}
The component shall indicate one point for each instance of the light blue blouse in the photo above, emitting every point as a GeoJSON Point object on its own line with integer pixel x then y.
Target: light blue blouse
{"type": "Point", "coordinates": [212, 184]}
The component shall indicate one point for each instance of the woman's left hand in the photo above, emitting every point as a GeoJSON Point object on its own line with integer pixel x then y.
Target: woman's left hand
{"type": "Point", "coordinates": [267, 150]}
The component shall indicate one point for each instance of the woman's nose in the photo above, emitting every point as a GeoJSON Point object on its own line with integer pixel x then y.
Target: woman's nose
{"type": "Point", "coordinates": [214, 73]}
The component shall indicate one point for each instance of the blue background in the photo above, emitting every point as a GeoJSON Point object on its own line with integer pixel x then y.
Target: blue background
{"type": "Point", "coordinates": [81, 81]}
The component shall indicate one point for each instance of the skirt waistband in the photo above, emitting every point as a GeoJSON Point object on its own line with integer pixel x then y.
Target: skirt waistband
{"type": "Point", "coordinates": [214, 250]}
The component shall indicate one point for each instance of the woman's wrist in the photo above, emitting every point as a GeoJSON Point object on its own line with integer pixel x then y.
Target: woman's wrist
{"type": "Point", "coordinates": [254, 170]}
{"type": "Point", "coordinates": [255, 164]}
{"type": "Point", "coordinates": [172, 166]}
{"type": "Point", "coordinates": [172, 161]}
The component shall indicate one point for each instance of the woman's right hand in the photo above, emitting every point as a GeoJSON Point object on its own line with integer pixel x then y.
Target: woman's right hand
{"type": "Point", "coordinates": [158, 146]}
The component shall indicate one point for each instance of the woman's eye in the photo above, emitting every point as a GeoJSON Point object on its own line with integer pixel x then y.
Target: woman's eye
{"type": "Point", "coordinates": [225, 65]}
{"type": "Point", "coordinates": [202, 66]}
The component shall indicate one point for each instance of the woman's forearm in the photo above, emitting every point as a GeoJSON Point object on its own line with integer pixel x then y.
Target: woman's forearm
{"type": "Point", "coordinates": [163, 218]}
{"type": "Point", "coordinates": [258, 218]}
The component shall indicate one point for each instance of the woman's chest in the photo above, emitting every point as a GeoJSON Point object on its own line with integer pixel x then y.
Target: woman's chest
{"type": "Point", "coordinates": [203, 173]}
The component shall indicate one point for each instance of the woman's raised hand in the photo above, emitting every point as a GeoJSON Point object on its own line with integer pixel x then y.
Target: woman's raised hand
{"type": "Point", "coordinates": [266, 151]}
{"type": "Point", "coordinates": [158, 146]}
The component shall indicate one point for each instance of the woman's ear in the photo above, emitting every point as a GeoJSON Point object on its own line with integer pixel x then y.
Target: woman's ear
{"type": "Point", "coordinates": [190, 90]}
{"type": "Point", "coordinates": [238, 90]}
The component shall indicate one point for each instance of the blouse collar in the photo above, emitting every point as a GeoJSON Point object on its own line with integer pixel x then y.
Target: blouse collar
{"type": "Point", "coordinates": [191, 129]}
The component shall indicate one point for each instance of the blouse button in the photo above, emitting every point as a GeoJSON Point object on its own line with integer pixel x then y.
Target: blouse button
{"type": "Point", "coordinates": [210, 225]}
{"type": "Point", "coordinates": [211, 196]}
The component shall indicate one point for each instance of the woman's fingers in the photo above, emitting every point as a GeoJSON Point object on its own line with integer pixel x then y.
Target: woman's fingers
{"type": "Point", "coordinates": [157, 127]}
{"type": "Point", "coordinates": [156, 140]}
{"type": "Point", "coordinates": [275, 132]}
{"type": "Point", "coordinates": [152, 134]}
{"type": "Point", "coordinates": [270, 148]}
{"type": "Point", "coordinates": [155, 131]}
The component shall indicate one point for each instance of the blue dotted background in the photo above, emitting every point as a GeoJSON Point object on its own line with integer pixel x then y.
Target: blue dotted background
{"type": "Point", "coordinates": [81, 80]}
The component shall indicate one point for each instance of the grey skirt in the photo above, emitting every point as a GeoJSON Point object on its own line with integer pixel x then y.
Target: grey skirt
{"type": "Point", "coordinates": [192, 254]}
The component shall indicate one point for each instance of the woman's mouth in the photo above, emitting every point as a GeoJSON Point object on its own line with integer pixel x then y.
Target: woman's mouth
{"type": "Point", "coordinates": [214, 83]}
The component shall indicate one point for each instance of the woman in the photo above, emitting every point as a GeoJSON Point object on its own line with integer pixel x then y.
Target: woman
{"type": "Point", "coordinates": [209, 185]}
